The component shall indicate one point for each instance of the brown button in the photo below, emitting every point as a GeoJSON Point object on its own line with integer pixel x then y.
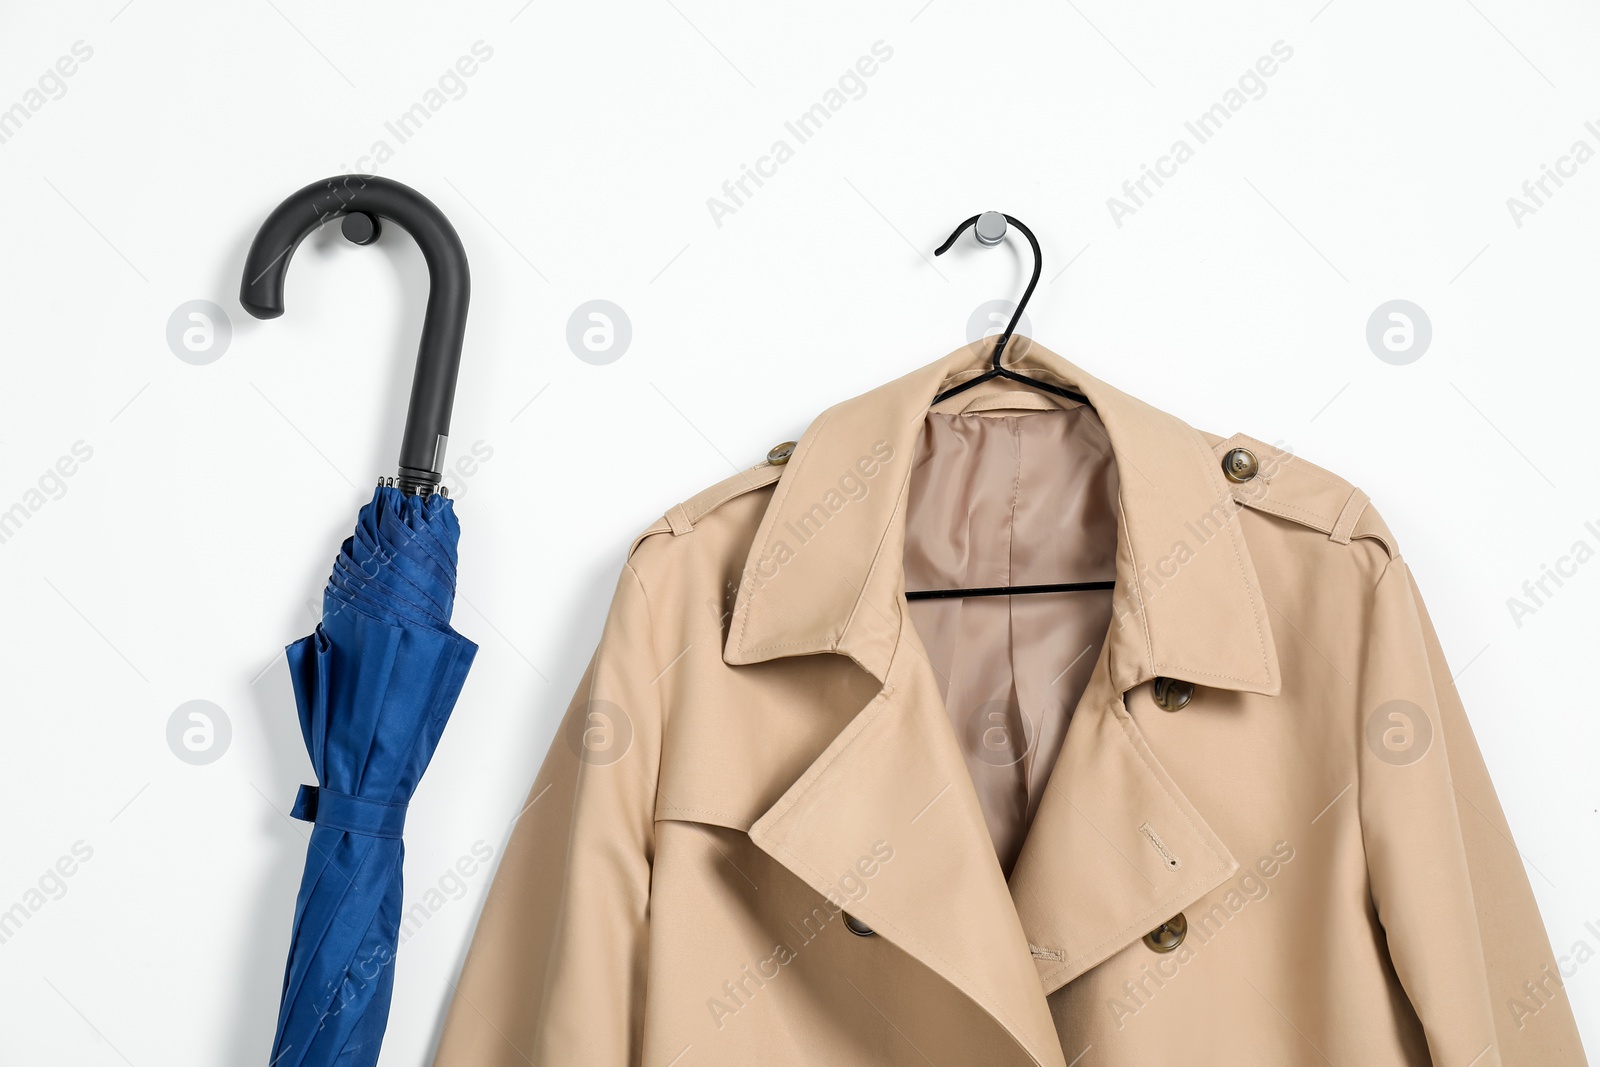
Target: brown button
{"type": "Point", "coordinates": [857, 927]}
{"type": "Point", "coordinates": [780, 453]}
{"type": "Point", "coordinates": [1169, 935]}
{"type": "Point", "coordinates": [1172, 694]}
{"type": "Point", "coordinates": [1240, 465]}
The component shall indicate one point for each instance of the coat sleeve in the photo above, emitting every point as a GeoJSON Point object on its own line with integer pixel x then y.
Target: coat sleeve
{"type": "Point", "coordinates": [556, 972]}
{"type": "Point", "coordinates": [1448, 884]}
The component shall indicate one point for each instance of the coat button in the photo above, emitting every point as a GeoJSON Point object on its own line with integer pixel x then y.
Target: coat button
{"type": "Point", "coordinates": [1169, 935]}
{"type": "Point", "coordinates": [1240, 465]}
{"type": "Point", "coordinates": [1172, 694]}
{"type": "Point", "coordinates": [857, 927]}
{"type": "Point", "coordinates": [780, 453]}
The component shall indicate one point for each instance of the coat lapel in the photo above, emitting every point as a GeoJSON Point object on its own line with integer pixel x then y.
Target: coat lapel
{"type": "Point", "coordinates": [896, 774]}
{"type": "Point", "coordinates": [1115, 849]}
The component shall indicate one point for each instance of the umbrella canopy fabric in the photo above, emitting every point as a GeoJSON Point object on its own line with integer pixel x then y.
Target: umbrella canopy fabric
{"type": "Point", "coordinates": [375, 685]}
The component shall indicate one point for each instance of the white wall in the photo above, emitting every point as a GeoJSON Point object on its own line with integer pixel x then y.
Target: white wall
{"type": "Point", "coordinates": [176, 561]}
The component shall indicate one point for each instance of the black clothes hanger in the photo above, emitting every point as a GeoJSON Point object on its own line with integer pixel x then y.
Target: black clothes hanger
{"type": "Point", "coordinates": [990, 229]}
{"type": "Point", "coordinates": [362, 200]}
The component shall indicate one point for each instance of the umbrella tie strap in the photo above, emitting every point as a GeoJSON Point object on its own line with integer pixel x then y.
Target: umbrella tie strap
{"type": "Point", "coordinates": [352, 814]}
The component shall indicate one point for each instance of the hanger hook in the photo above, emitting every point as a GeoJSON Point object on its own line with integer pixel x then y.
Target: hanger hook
{"type": "Point", "coordinates": [362, 200]}
{"type": "Point", "coordinates": [990, 230]}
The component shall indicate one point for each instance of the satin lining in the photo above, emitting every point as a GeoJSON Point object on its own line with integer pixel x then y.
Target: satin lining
{"type": "Point", "coordinates": [1003, 496]}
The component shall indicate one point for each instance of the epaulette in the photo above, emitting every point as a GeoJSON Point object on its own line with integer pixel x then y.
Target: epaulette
{"type": "Point", "coordinates": [680, 518]}
{"type": "Point", "coordinates": [1300, 491]}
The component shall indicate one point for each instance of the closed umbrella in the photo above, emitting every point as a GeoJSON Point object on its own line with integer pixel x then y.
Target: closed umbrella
{"type": "Point", "coordinates": [377, 680]}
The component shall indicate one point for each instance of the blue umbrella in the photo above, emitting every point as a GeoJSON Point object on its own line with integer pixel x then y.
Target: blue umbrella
{"type": "Point", "coordinates": [377, 680]}
{"type": "Point", "coordinates": [375, 685]}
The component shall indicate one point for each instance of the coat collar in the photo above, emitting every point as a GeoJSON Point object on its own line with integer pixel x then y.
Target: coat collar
{"type": "Point", "coordinates": [824, 572]}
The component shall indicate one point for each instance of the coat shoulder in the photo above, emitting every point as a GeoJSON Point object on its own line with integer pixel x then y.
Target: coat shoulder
{"type": "Point", "coordinates": [682, 517]}
{"type": "Point", "coordinates": [1298, 490]}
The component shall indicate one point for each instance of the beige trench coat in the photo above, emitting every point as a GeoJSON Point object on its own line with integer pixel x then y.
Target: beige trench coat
{"type": "Point", "coordinates": [1231, 812]}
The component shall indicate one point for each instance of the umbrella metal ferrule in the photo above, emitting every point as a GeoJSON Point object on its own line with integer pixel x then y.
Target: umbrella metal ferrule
{"type": "Point", "coordinates": [421, 488]}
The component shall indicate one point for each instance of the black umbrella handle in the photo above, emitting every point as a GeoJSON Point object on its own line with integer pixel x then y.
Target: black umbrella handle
{"type": "Point", "coordinates": [363, 199]}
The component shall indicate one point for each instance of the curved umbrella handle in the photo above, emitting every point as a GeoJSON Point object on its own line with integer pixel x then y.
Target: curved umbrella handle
{"type": "Point", "coordinates": [362, 199]}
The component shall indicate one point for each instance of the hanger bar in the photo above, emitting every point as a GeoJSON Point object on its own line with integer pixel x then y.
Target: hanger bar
{"type": "Point", "coordinates": [1003, 372]}
{"type": "Point", "coordinates": [1007, 590]}
{"type": "Point", "coordinates": [1070, 394]}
